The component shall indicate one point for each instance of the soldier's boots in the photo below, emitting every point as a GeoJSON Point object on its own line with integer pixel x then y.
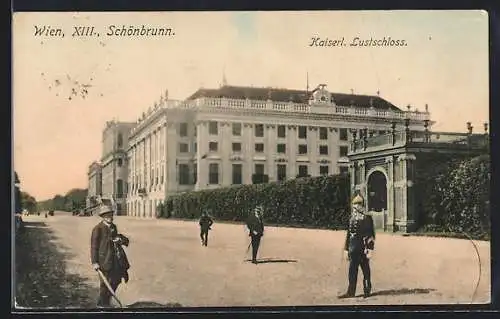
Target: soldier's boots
{"type": "Point", "coordinates": [367, 288]}
{"type": "Point", "coordinates": [349, 294]}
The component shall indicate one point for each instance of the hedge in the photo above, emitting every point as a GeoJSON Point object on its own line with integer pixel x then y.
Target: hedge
{"type": "Point", "coordinates": [321, 202]}
{"type": "Point", "coordinates": [456, 197]}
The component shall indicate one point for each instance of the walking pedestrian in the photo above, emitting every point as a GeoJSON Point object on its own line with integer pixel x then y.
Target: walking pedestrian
{"type": "Point", "coordinates": [255, 227]}
{"type": "Point", "coordinates": [359, 244]}
{"type": "Point", "coordinates": [205, 225]}
{"type": "Point", "coordinates": [107, 255]}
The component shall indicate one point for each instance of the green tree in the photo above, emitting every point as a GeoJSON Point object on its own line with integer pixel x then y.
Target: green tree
{"type": "Point", "coordinates": [17, 195]}
{"type": "Point", "coordinates": [28, 202]}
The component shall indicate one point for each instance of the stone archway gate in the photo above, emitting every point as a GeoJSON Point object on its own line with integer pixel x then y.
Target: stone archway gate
{"type": "Point", "coordinates": [400, 156]}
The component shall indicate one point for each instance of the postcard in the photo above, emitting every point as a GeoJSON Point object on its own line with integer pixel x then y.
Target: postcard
{"type": "Point", "coordinates": [250, 159]}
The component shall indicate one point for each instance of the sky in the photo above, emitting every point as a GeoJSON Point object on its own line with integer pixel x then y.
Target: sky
{"type": "Point", "coordinates": [444, 65]}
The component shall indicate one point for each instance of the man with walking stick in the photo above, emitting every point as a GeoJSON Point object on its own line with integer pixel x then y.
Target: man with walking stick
{"type": "Point", "coordinates": [359, 244]}
{"type": "Point", "coordinates": [255, 227]}
{"type": "Point", "coordinates": [108, 257]}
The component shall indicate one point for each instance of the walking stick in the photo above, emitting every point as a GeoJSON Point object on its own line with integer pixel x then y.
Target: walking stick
{"type": "Point", "coordinates": [248, 249]}
{"type": "Point", "coordinates": [106, 282]}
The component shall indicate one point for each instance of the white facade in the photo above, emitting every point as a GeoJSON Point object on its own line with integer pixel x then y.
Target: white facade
{"type": "Point", "coordinates": [114, 163]}
{"type": "Point", "coordinates": [95, 183]}
{"type": "Point", "coordinates": [210, 142]}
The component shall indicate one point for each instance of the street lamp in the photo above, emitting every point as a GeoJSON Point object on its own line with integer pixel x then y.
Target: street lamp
{"type": "Point", "coordinates": [469, 128]}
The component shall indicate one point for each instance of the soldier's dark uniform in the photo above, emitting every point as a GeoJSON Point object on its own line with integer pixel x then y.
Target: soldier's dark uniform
{"type": "Point", "coordinates": [256, 231]}
{"type": "Point", "coordinates": [360, 240]}
{"type": "Point", "coordinates": [205, 224]}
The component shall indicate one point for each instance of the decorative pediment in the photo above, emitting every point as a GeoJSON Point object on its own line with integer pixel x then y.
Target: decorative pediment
{"type": "Point", "coordinates": [321, 95]}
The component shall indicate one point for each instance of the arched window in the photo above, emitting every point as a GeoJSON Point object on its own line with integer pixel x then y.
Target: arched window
{"type": "Point", "coordinates": [120, 140]}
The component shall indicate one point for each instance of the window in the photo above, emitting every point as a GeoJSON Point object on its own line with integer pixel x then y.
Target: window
{"type": "Point", "coordinates": [281, 168]}
{"type": "Point", "coordinates": [281, 148]}
{"type": "Point", "coordinates": [343, 134]}
{"type": "Point", "coordinates": [344, 169]}
{"type": "Point", "coordinates": [120, 162]}
{"type": "Point", "coordinates": [302, 149]}
{"type": "Point", "coordinates": [183, 147]}
{"type": "Point", "coordinates": [237, 174]}
{"type": "Point", "coordinates": [119, 141]}
{"type": "Point", "coordinates": [281, 131]}
{"type": "Point", "coordinates": [343, 151]}
{"type": "Point", "coordinates": [259, 169]}
{"type": "Point", "coordinates": [259, 130]}
{"type": "Point", "coordinates": [236, 147]}
{"type": "Point", "coordinates": [213, 173]}
{"type": "Point", "coordinates": [381, 132]}
{"type": "Point", "coordinates": [237, 129]}
{"type": "Point", "coordinates": [213, 146]}
{"type": "Point", "coordinates": [119, 188]}
{"type": "Point", "coordinates": [323, 149]}
{"type": "Point", "coordinates": [195, 174]}
{"type": "Point", "coordinates": [323, 133]}
{"type": "Point", "coordinates": [323, 170]}
{"type": "Point", "coordinates": [259, 147]}
{"type": "Point", "coordinates": [195, 147]}
{"type": "Point", "coordinates": [213, 128]}
{"type": "Point", "coordinates": [183, 129]}
{"type": "Point", "coordinates": [303, 170]}
{"type": "Point", "coordinates": [184, 174]}
{"type": "Point", "coordinates": [302, 131]}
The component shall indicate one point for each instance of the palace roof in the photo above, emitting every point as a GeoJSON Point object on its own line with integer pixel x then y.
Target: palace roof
{"type": "Point", "coordinates": [289, 95]}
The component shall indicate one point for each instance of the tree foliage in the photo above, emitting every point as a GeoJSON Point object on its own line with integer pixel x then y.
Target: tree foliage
{"type": "Point", "coordinates": [321, 202]}
{"type": "Point", "coordinates": [74, 199]}
{"type": "Point", "coordinates": [18, 208]}
{"type": "Point", "coordinates": [28, 202]}
{"type": "Point", "coordinates": [456, 197]}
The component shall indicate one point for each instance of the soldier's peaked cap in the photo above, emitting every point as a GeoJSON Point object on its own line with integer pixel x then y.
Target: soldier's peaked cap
{"type": "Point", "coordinates": [357, 200]}
{"type": "Point", "coordinates": [104, 210]}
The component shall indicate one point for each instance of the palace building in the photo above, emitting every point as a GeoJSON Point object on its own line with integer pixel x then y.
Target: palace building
{"type": "Point", "coordinates": [94, 190]}
{"type": "Point", "coordinates": [240, 135]}
{"type": "Point", "coordinates": [114, 169]}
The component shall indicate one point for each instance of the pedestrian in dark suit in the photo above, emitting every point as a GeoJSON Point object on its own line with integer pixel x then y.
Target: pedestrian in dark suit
{"type": "Point", "coordinates": [255, 227]}
{"type": "Point", "coordinates": [107, 255]}
{"type": "Point", "coordinates": [205, 225]}
{"type": "Point", "coordinates": [359, 244]}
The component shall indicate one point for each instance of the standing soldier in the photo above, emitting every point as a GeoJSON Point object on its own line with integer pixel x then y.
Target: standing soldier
{"type": "Point", "coordinates": [359, 244]}
{"type": "Point", "coordinates": [256, 230]}
{"type": "Point", "coordinates": [205, 225]}
{"type": "Point", "coordinates": [107, 255]}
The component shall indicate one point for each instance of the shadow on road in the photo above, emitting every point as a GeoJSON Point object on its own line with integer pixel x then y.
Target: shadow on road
{"type": "Point", "coordinates": [273, 260]}
{"type": "Point", "coordinates": [41, 280]}
{"type": "Point", "coordinates": [403, 291]}
{"type": "Point", "coordinates": [152, 304]}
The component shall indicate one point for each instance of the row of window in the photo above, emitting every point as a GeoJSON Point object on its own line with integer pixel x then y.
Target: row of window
{"type": "Point", "coordinates": [213, 129]}
{"type": "Point", "coordinates": [187, 178]}
{"type": "Point", "coordinates": [259, 148]}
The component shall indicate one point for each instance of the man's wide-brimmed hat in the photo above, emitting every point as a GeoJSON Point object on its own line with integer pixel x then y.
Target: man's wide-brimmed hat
{"type": "Point", "coordinates": [104, 210]}
{"type": "Point", "coordinates": [358, 200]}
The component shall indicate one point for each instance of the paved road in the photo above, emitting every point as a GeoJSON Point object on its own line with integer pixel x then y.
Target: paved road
{"type": "Point", "coordinates": [304, 266]}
